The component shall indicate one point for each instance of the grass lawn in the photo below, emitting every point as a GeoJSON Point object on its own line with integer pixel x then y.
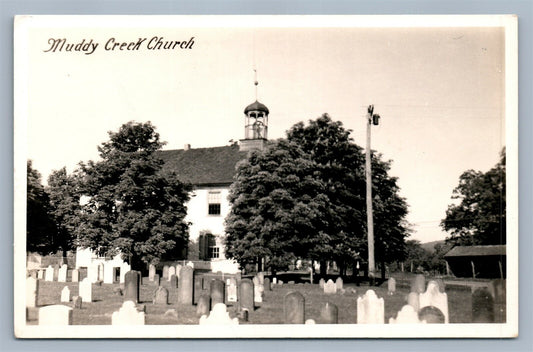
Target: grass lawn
{"type": "Point", "coordinates": [105, 302]}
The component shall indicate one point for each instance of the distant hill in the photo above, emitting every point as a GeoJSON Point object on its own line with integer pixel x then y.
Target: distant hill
{"type": "Point", "coordinates": [429, 246]}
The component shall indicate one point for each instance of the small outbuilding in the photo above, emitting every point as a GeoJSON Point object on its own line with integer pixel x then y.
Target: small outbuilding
{"type": "Point", "coordinates": [477, 261]}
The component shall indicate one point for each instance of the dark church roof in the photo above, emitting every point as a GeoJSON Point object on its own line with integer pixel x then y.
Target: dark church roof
{"type": "Point", "coordinates": [204, 166]}
{"type": "Point", "coordinates": [256, 106]}
{"type": "Point", "coordinates": [474, 251]}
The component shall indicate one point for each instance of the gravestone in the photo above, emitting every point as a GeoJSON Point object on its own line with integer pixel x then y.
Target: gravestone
{"type": "Point", "coordinates": [76, 302]}
{"type": "Point", "coordinates": [124, 268]}
{"type": "Point", "coordinates": [198, 284]}
{"type": "Point", "coordinates": [165, 272]}
{"type": "Point", "coordinates": [407, 315]}
{"type": "Point", "coordinates": [75, 276]}
{"type": "Point", "coordinates": [232, 290]}
{"type": "Point", "coordinates": [173, 281]}
{"type": "Point", "coordinates": [157, 280]}
{"type": "Point", "coordinates": [413, 299]}
{"type": "Point", "coordinates": [65, 294]}
{"type": "Point", "coordinates": [268, 286]}
{"type": "Point", "coordinates": [86, 290]}
{"type": "Point", "coordinates": [40, 274]}
{"type": "Point", "coordinates": [339, 283]}
{"type": "Point", "coordinates": [370, 309]}
{"type": "Point", "coordinates": [258, 295]}
{"type": "Point", "coordinates": [56, 272]}
{"type": "Point", "coordinates": [178, 269]}
{"type": "Point", "coordinates": [498, 290]}
{"type": "Point", "coordinates": [57, 314]}
{"type": "Point", "coordinates": [186, 282]}
{"type": "Point", "coordinates": [171, 271]}
{"type": "Point", "coordinates": [329, 313]}
{"type": "Point", "coordinates": [217, 291]}
{"type": "Point", "coordinates": [246, 295]}
{"type": "Point", "coordinates": [418, 283]}
{"type": "Point", "coordinates": [62, 273]}
{"type": "Point", "coordinates": [127, 315]}
{"type": "Point", "coordinates": [132, 286]}
{"type": "Point", "coordinates": [190, 264]}
{"type": "Point", "coordinates": [204, 305]}
{"type": "Point", "coordinates": [218, 316]}
{"type": "Point", "coordinates": [391, 286]}
{"type": "Point", "coordinates": [310, 322]}
{"type": "Point", "coordinates": [482, 306]}
{"type": "Point", "coordinates": [294, 308]}
{"type": "Point", "coordinates": [49, 274]}
{"type": "Point", "coordinates": [330, 287]}
{"type": "Point", "coordinates": [261, 277]}
{"type": "Point", "coordinates": [161, 296]}
{"type": "Point", "coordinates": [275, 281]}
{"type": "Point", "coordinates": [321, 283]}
{"type": "Point", "coordinates": [433, 297]}
{"type": "Point", "coordinates": [32, 292]}
{"type": "Point", "coordinates": [431, 315]}
{"type": "Point", "coordinates": [151, 272]}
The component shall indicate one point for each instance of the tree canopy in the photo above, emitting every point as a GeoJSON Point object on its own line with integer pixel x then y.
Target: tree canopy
{"type": "Point", "coordinates": [132, 206]}
{"type": "Point", "coordinates": [479, 217]}
{"type": "Point", "coordinates": [304, 197]}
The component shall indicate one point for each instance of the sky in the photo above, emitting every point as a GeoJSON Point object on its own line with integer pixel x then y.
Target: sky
{"type": "Point", "coordinates": [440, 92]}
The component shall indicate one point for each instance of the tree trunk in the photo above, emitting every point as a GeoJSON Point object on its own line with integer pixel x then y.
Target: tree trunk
{"type": "Point", "coordinates": [383, 269]}
{"type": "Point", "coordinates": [323, 269]}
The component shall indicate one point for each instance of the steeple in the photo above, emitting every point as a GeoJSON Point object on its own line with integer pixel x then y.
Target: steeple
{"type": "Point", "coordinates": [255, 123]}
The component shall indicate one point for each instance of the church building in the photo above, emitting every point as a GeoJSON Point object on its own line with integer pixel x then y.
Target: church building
{"type": "Point", "coordinates": [211, 172]}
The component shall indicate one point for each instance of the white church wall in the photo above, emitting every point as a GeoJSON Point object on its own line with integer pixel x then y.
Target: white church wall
{"type": "Point", "coordinates": [197, 212]}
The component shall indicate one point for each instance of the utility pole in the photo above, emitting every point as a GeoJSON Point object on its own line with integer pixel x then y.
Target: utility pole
{"type": "Point", "coordinates": [371, 119]}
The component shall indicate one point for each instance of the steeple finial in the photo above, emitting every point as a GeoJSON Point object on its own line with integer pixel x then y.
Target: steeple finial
{"type": "Point", "coordinates": [256, 83]}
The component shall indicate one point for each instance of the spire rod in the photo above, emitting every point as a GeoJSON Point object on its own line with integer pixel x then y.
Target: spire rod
{"type": "Point", "coordinates": [256, 83]}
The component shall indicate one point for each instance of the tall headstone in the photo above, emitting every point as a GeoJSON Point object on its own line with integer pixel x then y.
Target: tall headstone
{"type": "Point", "coordinates": [418, 283]}
{"type": "Point", "coordinates": [321, 283]}
{"type": "Point", "coordinates": [165, 272]}
{"type": "Point", "coordinates": [161, 296]}
{"type": "Point", "coordinates": [258, 295]}
{"type": "Point", "coordinates": [55, 315]}
{"type": "Point", "coordinates": [173, 281]}
{"type": "Point", "coordinates": [32, 292]}
{"type": "Point", "coordinates": [261, 278]}
{"type": "Point", "coordinates": [185, 289]}
{"type": "Point", "coordinates": [127, 315]}
{"type": "Point", "coordinates": [246, 295]}
{"type": "Point", "coordinates": [339, 283]}
{"type": "Point", "coordinates": [218, 316]}
{"type": "Point", "coordinates": [62, 273]}
{"type": "Point", "coordinates": [391, 285]}
{"type": "Point", "coordinates": [482, 306]}
{"type": "Point", "coordinates": [49, 274]}
{"type": "Point", "coordinates": [329, 313]}
{"type": "Point", "coordinates": [407, 315]}
{"type": "Point", "coordinates": [232, 290]}
{"type": "Point", "coordinates": [151, 272]}
{"type": "Point", "coordinates": [86, 290]}
{"type": "Point", "coordinates": [330, 287]}
{"type": "Point", "coordinates": [77, 301]}
{"type": "Point", "coordinates": [204, 305]}
{"type": "Point", "coordinates": [132, 286]}
{"type": "Point", "coordinates": [171, 271]}
{"type": "Point", "coordinates": [433, 297]}
{"type": "Point", "coordinates": [56, 271]}
{"type": "Point", "coordinates": [370, 309]}
{"type": "Point", "coordinates": [40, 274]}
{"type": "Point", "coordinates": [268, 285]}
{"type": "Point", "coordinates": [294, 308]}
{"type": "Point", "coordinates": [217, 290]}
{"type": "Point", "coordinates": [178, 269]}
{"type": "Point", "coordinates": [157, 280]}
{"type": "Point", "coordinates": [413, 299]}
{"type": "Point", "coordinates": [75, 275]}
{"type": "Point", "coordinates": [65, 294]}
{"type": "Point", "coordinates": [124, 268]}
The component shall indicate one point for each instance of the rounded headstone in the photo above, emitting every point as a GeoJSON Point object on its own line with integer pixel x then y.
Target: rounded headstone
{"type": "Point", "coordinates": [268, 286]}
{"type": "Point", "coordinates": [431, 315]}
{"type": "Point", "coordinates": [161, 296]}
{"type": "Point", "coordinates": [294, 308]}
{"type": "Point", "coordinates": [131, 286]}
{"type": "Point", "coordinates": [482, 306]}
{"type": "Point", "coordinates": [185, 290]}
{"type": "Point", "coordinates": [204, 305]}
{"type": "Point", "coordinates": [246, 294]}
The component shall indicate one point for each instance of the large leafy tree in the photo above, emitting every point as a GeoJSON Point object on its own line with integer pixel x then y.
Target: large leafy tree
{"type": "Point", "coordinates": [132, 206]}
{"type": "Point", "coordinates": [479, 217]}
{"type": "Point", "coordinates": [304, 197]}
{"type": "Point", "coordinates": [39, 226]}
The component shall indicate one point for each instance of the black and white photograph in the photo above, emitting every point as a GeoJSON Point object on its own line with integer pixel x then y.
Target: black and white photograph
{"type": "Point", "coordinates": [266, 176]}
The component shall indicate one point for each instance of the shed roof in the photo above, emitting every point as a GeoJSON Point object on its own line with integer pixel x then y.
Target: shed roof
{"type": "Point", "coordinates": [203, 166]}
{"type": "Point", "coordinates": [472, 251]}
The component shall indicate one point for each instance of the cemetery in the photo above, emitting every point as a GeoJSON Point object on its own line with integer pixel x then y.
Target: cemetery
{"type": "Point", "coordinates": [199, 297]}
